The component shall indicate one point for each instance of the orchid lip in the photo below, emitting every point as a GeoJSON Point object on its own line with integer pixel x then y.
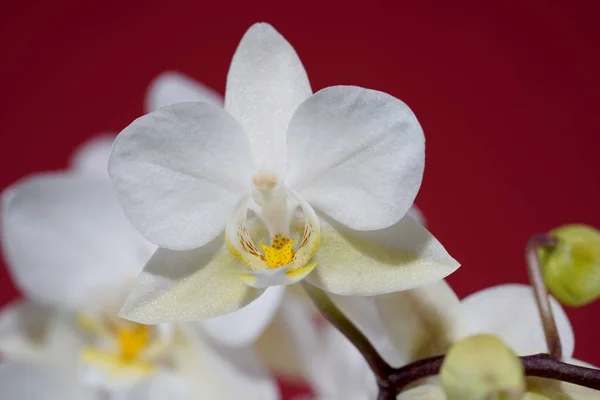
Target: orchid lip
{"type": "Point", "coordinates": [276, 236]}
{"type": "Point", "coordinates": [119, 353]}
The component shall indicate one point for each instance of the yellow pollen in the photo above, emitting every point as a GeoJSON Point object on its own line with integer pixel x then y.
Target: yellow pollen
{"type": "Point", "coordinates": [132, 340]}
{"type": "Point", "coordinates": [280, 253]}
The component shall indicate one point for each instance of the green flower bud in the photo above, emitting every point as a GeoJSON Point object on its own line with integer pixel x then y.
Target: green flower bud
{"type": "Point", "coordinates": [482, 367]}
{"type": "Point", "coordinates": [571, 270]}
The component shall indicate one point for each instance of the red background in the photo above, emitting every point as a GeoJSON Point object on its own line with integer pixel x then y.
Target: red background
{"type": "Point", "coordinates": [507, 95]}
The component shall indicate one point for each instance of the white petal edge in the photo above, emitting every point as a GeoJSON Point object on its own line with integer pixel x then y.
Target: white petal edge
{"type": "Point", "coordinates": [510, 312]}
{"type": "Point", "coordinates": [361, 310]}
{"type": "Point", "coordinates": [27, 381]}
{"type": "Point", "coordinates": [213, 371]}
{"type": "Point", "coordinates": [91, 157]}
{"type": "Point", "coordinates": [265, 85]}
{"type": "Point", "coordinates": [172, 87]}
{"type": "Point", "coordinates": [367, 263]}
{"type": "Point", "coordinates": [418, 215]}
{"type": "Point", "coordinates": [357, 155]}
{"type": "Point", "coordinates": [300, 328]}
{"type": "Point", "coordinates": [188, 285]}
{"type": "Point", "coordinates": [278, 346]}
{"type": "Point", "coordinates": [179, 173]}
{"type": "Point", "coordinates": [422, 322]}
{"type": "Point", "coordinates": [65, 236]}
{"type": "Point", "coordinates": [349, 374]}
{"type": "Point", "coordinates": [243, 327]}
{"type": "Point", "coordinates": [329, 362]}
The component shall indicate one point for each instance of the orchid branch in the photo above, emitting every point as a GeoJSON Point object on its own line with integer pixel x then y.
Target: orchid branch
{"type": "Point", "coordinates": [541, 293]}
{"type": "Point", "coordinates": [392, 381]}
{"type": "Point", "coordinates": [539, 365]}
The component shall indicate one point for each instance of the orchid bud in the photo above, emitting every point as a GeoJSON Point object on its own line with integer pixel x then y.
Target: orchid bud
{"type": "Point", "coordinates": [571, 269]}
{"type": "Point", "coordinates": [482, 367]}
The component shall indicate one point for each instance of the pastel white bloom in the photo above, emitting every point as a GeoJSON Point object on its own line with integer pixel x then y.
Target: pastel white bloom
{"type": "Point", "coordinates": [73, 254]}
{"type": "Point", "coordinates": [426, 321]}
{"type": "Point", "coordinates": [280, 185]}
{"type": "Point", "coordinates": [191, 368]}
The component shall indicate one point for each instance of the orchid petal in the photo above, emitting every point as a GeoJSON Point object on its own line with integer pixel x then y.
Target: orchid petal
{"type": "Point", "coordinates": [63, 342]}
{"type": "Point", "coordinates": [510, 312]}
{"type": "Point", "coordinates": [65, 237]}
{"type": "Point", "coordinates": [243, 327]}
{"type": "Point", "coordinates": [401, 257]}
{"type": "Point", "coordinates": [163, 385]}
{"type": "Point", "coordinates": [173, 87]}
{"type": "Point", "coordinates": [423, 392]}
{"type": "Point", "coordinates": [23, 325]}
{"type": "Point", "coordinates": [363, 313]}
{"type": "Point", "coordinates": [422, 322]}
{"type": "Point", "coordinates": [218, 372]}
{"type": "Point", "coordinates": [24, 381]}
{"type": "Point", "coordinates": [265, 85]}
{"type": "Point", "coordinates": [91, 157]}
{"type": "Point", "coordinates": [179, 173]}
{"type": "Point", "coordinates": [289, 340]}
{"type": "Point", "coordinates": [349, 375]}
{"type": "Point", "coordinates": [328, 361]}
{"type": "Point", "coordinates": [303, 328]}
{"type": "Point", "coordinates": [562, 390]}
{"type": "Point", "coordinates": [417, 215]}
{"type": "Point", "coordinates": [188, 285]}
{"type": "Point", "coordinates": [357, 155]}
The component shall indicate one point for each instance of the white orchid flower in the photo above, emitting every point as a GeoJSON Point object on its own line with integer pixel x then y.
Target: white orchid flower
{"type": "Point", "coordinates": [426, 321]}
{"type": "Point", "coordinates": [174, 87]}
{"type": "Point", "coordinates": [73, 254]}
{"type": "Point", "coordinates": [277, 184]}
{"type": "Point", "coordinates": [196, 370]}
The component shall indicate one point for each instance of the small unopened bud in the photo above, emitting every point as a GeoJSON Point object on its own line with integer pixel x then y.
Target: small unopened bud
{"type": "Point", "coordinates": [571, 269]}
{"type": "Point", "coordinates": [482, 367]}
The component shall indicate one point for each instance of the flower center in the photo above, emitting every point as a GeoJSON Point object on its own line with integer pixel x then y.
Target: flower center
{"type": "Point", "coordinates": [277, 215]}
{"type": "Point", "coordinates": [132, 340]}
{"type": "Point", "coordinates": [119, 352]}
{"type": "Point", "coordinates": [280, 253]}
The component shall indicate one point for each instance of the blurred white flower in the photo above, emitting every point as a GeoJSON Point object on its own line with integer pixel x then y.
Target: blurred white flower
{"type": "Point", "coordinates": [426, 321]}
{"type": "Point", "coordinates": [258, 194]}
{"type": "Point", "coordinates": [74, 254]}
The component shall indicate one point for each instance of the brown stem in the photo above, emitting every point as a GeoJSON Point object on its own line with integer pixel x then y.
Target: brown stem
{"type": "Point", "coordinates": [387, 393]}
{"type": "Point", "coordinates": [393, 380]}
{"type": "Point", "coordinates": [541, 293]}
{"type": "Point", "coordinates": [402, 376]}
{"type": "Point", "coordinates": [540, 365]}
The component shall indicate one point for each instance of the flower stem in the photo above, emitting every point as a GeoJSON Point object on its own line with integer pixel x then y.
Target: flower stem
{"type": "Point", "coordinates": [540, 365]}
{"type": "Point", "coordinates": [392, 381]}
{"type": "Point", "coordinates": [541, 293]}
{"type": "Point", "coordinates": [325, 305]}
{"type": "Point", "coordinates": [387, 393]}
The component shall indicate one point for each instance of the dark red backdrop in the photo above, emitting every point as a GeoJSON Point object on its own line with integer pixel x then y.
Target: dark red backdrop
{"type": "Point", "coordinates": [507, 95]}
